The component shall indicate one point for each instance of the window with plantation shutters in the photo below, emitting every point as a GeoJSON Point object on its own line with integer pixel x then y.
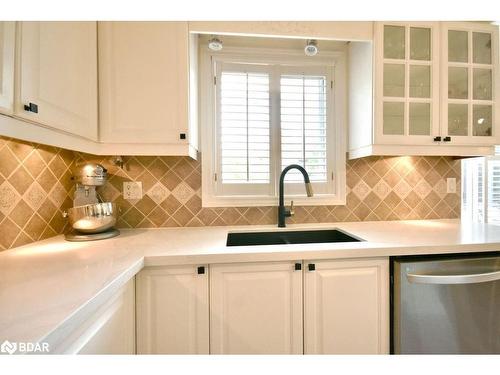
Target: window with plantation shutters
{"type": "Point", "coordinates": [268, 115]}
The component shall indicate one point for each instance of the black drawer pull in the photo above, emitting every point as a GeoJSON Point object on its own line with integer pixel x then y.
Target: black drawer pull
{"type": "Point", "coordinates": [437, 139]}
{"type": "Point", "coordinates": [201, 270]}
{"type": "Point", "coordinates": [311, 267]}
{"type": "Point", "coordinates": [447, 139]}
{"type": "Point", "coordinates": [298, 266]}
{"type": "Point", "coordinates": [32, 107]}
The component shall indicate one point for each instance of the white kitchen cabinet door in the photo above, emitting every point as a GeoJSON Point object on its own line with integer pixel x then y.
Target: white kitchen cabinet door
{"type": "Point", "coordinates": [346, 307]}
{"type": "Point", "coordinates": [116, 326]}
{"type": "Point", "coordinates": [145, 86]}
{"type": "Point", "coordinates": [110, 329]}
{"type": "Point", "coordinates": [172, 310]}
{"type": "Point", "coordinates": [470, 84]}
{"type": "Point", "coordinates": [57, 76]}
{"type": "Point", "coordinates": [256, 309]}
{"type": "Point", "coordinates": [406, 83]}
{"type": "Point", "coordinates": [7, 47]}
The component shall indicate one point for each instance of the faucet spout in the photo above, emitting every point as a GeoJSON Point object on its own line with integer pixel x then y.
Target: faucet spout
{"type": "Point", "coordinates": [282, 211]}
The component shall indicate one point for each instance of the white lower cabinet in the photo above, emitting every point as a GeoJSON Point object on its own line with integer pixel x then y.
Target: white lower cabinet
{"type": "Point", "coordinates": [172, 310]}
{"type": "Point", "coordinates": [346, 307]}
{"type": "Point", "coordinates": [256, 308]}
{"type": "Point", "coordinates": [325, 307]}
{"type": "Point", "coordinates": [110, 329]}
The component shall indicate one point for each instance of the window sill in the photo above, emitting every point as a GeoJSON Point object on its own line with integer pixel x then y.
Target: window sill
{"type": "Point", "coordinates": [256, 201]}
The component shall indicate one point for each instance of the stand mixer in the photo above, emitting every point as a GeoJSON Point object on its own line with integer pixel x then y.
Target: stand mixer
{"type": "Point", "coordinates": [91, 218]}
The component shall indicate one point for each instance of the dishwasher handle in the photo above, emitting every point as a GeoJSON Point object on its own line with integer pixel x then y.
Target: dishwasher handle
{"type": "Point", "coordinates": [453, 279]}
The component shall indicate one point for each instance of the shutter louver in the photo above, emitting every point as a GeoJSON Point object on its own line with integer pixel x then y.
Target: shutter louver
{"type": "Point", "coordinates": [303, 125]}
{"type": "Point", "coordinates": [494, 191]}
{"type": "Point", "coordinates": [245, 126]}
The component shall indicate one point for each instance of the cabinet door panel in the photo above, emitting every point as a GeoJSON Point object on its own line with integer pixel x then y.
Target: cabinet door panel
{"type": "Point", "coordinates": [256, 309]}
{"type": "Point", "coordinates": [406, 83]}
{"type": "Point", "coordinates": [172, 311]}
{"type": "Point", "coordinates": [347, 307]}
{"type": "Point", "coordinates": [7, 43]}
{"type": "Point", "coordinates": [58, 73]}
{"type": "Point", "coordinates": [143, 75]}
{"type": "Point", "coordinates": [470, 84]}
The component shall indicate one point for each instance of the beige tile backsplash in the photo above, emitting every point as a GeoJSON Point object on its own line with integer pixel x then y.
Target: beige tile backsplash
{"type": "Point", "coordinates": [36, 186]}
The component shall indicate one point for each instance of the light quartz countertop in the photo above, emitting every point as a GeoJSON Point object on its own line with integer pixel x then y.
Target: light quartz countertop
{"type": "Point", "coordinates": [49, 286]}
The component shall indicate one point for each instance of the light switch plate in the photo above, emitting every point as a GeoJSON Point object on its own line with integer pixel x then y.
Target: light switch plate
{"type": "Point", "coordinates": [132, 190]}
{"type": "Point", "coordinates": [451, 185]}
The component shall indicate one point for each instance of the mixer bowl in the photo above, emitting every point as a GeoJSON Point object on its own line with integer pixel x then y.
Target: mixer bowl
{"type": "Point", "coordinates": [93, 218]}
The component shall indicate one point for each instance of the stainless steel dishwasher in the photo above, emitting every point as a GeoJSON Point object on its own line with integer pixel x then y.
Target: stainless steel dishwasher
{"type": "Point", "coordinates": [446, 305]}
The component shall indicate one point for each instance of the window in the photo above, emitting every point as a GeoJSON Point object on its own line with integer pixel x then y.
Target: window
{"type": "Point", "coordinates": [264, 114]}
{"type": "Point", "coordinates": [481, 189]}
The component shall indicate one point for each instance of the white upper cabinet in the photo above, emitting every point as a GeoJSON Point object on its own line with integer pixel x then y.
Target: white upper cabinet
{"type": "Point", "coordinates": [470, 83]}
{"type": "Point", "coordinates": [406, 83]}
{"type": "Point", "coordinates": [256, 309]}
{"type": "Point", "coordinates": [172, 310]}
{"type": "Point", "coordinates": [7, 48]}
{"type": "Point", "coordinates": [57, 76]}
{"type": "Point", "coordinates": [145, 87]}
{"type": "Point", "coordinates": [421, 86]}
{"type": "Point", "coordinates": [346, 307]}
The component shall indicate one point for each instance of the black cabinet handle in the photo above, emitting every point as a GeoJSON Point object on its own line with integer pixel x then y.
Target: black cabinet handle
{"type": "Point", "coordinates": [437, 139]}
{"type": "Point", "coordinates": [32, 107]}
{"type": "Point", "coordinates": [298, 266]}
{"type": "Point", "coordinates": [182, 136]}
{"type": "Point", "coordinates": [447, 139]}
{"type": "Point", "coordinates": [201, 270]}
{"type": "Point", "coordinates": [311, 267]}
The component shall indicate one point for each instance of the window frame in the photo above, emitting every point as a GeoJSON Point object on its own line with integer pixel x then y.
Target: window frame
{"type": "Point", "coordinates": [336, 125]}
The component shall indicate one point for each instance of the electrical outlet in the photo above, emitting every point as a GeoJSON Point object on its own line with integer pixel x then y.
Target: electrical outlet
{"type": "Point", "coordinates": [451, 185]}
{"type": "Point", "coordinates": [132, 190]}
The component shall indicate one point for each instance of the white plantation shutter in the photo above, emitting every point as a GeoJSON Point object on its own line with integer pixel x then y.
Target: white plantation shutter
{"type": "Point", "coordinates": [473, 179]}
{"type": "Point", "coordinates": [481, 189]}
{"type": "Point", "coordinates": [493, 208]}
{"type": "Point", "coordinates": [244, 127]}
{"type": "Point", "coordinates": [304, 125]}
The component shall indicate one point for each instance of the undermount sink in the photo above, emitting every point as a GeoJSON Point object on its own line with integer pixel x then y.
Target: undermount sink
{"type": "Point", "coordinates": [288, 237]}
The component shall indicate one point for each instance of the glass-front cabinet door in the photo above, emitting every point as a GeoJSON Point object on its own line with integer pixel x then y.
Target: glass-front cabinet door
{"type": "Point", "coordinates": [469, 84]}
{"type": "Point", "coordinates": [407, 83]}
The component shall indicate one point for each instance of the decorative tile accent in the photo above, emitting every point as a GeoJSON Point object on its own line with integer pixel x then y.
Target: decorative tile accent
{"type": "Point", "coordinates": [361, 190]}
{"type": "Point", "coordinates": [34, 196]}
{"type": "Point", "coordinates": [183, 192]}
{"type": "Point", "coordinates": [382, 189]}
{"type": "Point", "coordinates": [36, 186]}
{"type": "Point", "coordinates": [158, 192]}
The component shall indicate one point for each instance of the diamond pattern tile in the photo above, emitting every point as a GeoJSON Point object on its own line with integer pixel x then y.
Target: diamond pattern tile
{"type": "Point", "coordinates": [36, 186]}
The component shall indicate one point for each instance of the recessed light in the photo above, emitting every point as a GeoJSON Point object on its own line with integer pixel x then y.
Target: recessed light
{"type": "Point", "coordinates": [311, 48]}
{"type": "Point", "coordinates": [215, 44]}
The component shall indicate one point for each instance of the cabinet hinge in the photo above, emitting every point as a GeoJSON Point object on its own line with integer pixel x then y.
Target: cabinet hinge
{"type": "Point", "coordinates": [215, 80]}
{"type": "Point", "coordinates": [331, 84]}
{"type": "Point", "coordinates": [333, 176]}
{"type": "Point", "coordinates": [215, 176]}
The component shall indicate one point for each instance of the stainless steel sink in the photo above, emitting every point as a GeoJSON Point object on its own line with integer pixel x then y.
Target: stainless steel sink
{"type": "Point", "coordinates": [288, 237]}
